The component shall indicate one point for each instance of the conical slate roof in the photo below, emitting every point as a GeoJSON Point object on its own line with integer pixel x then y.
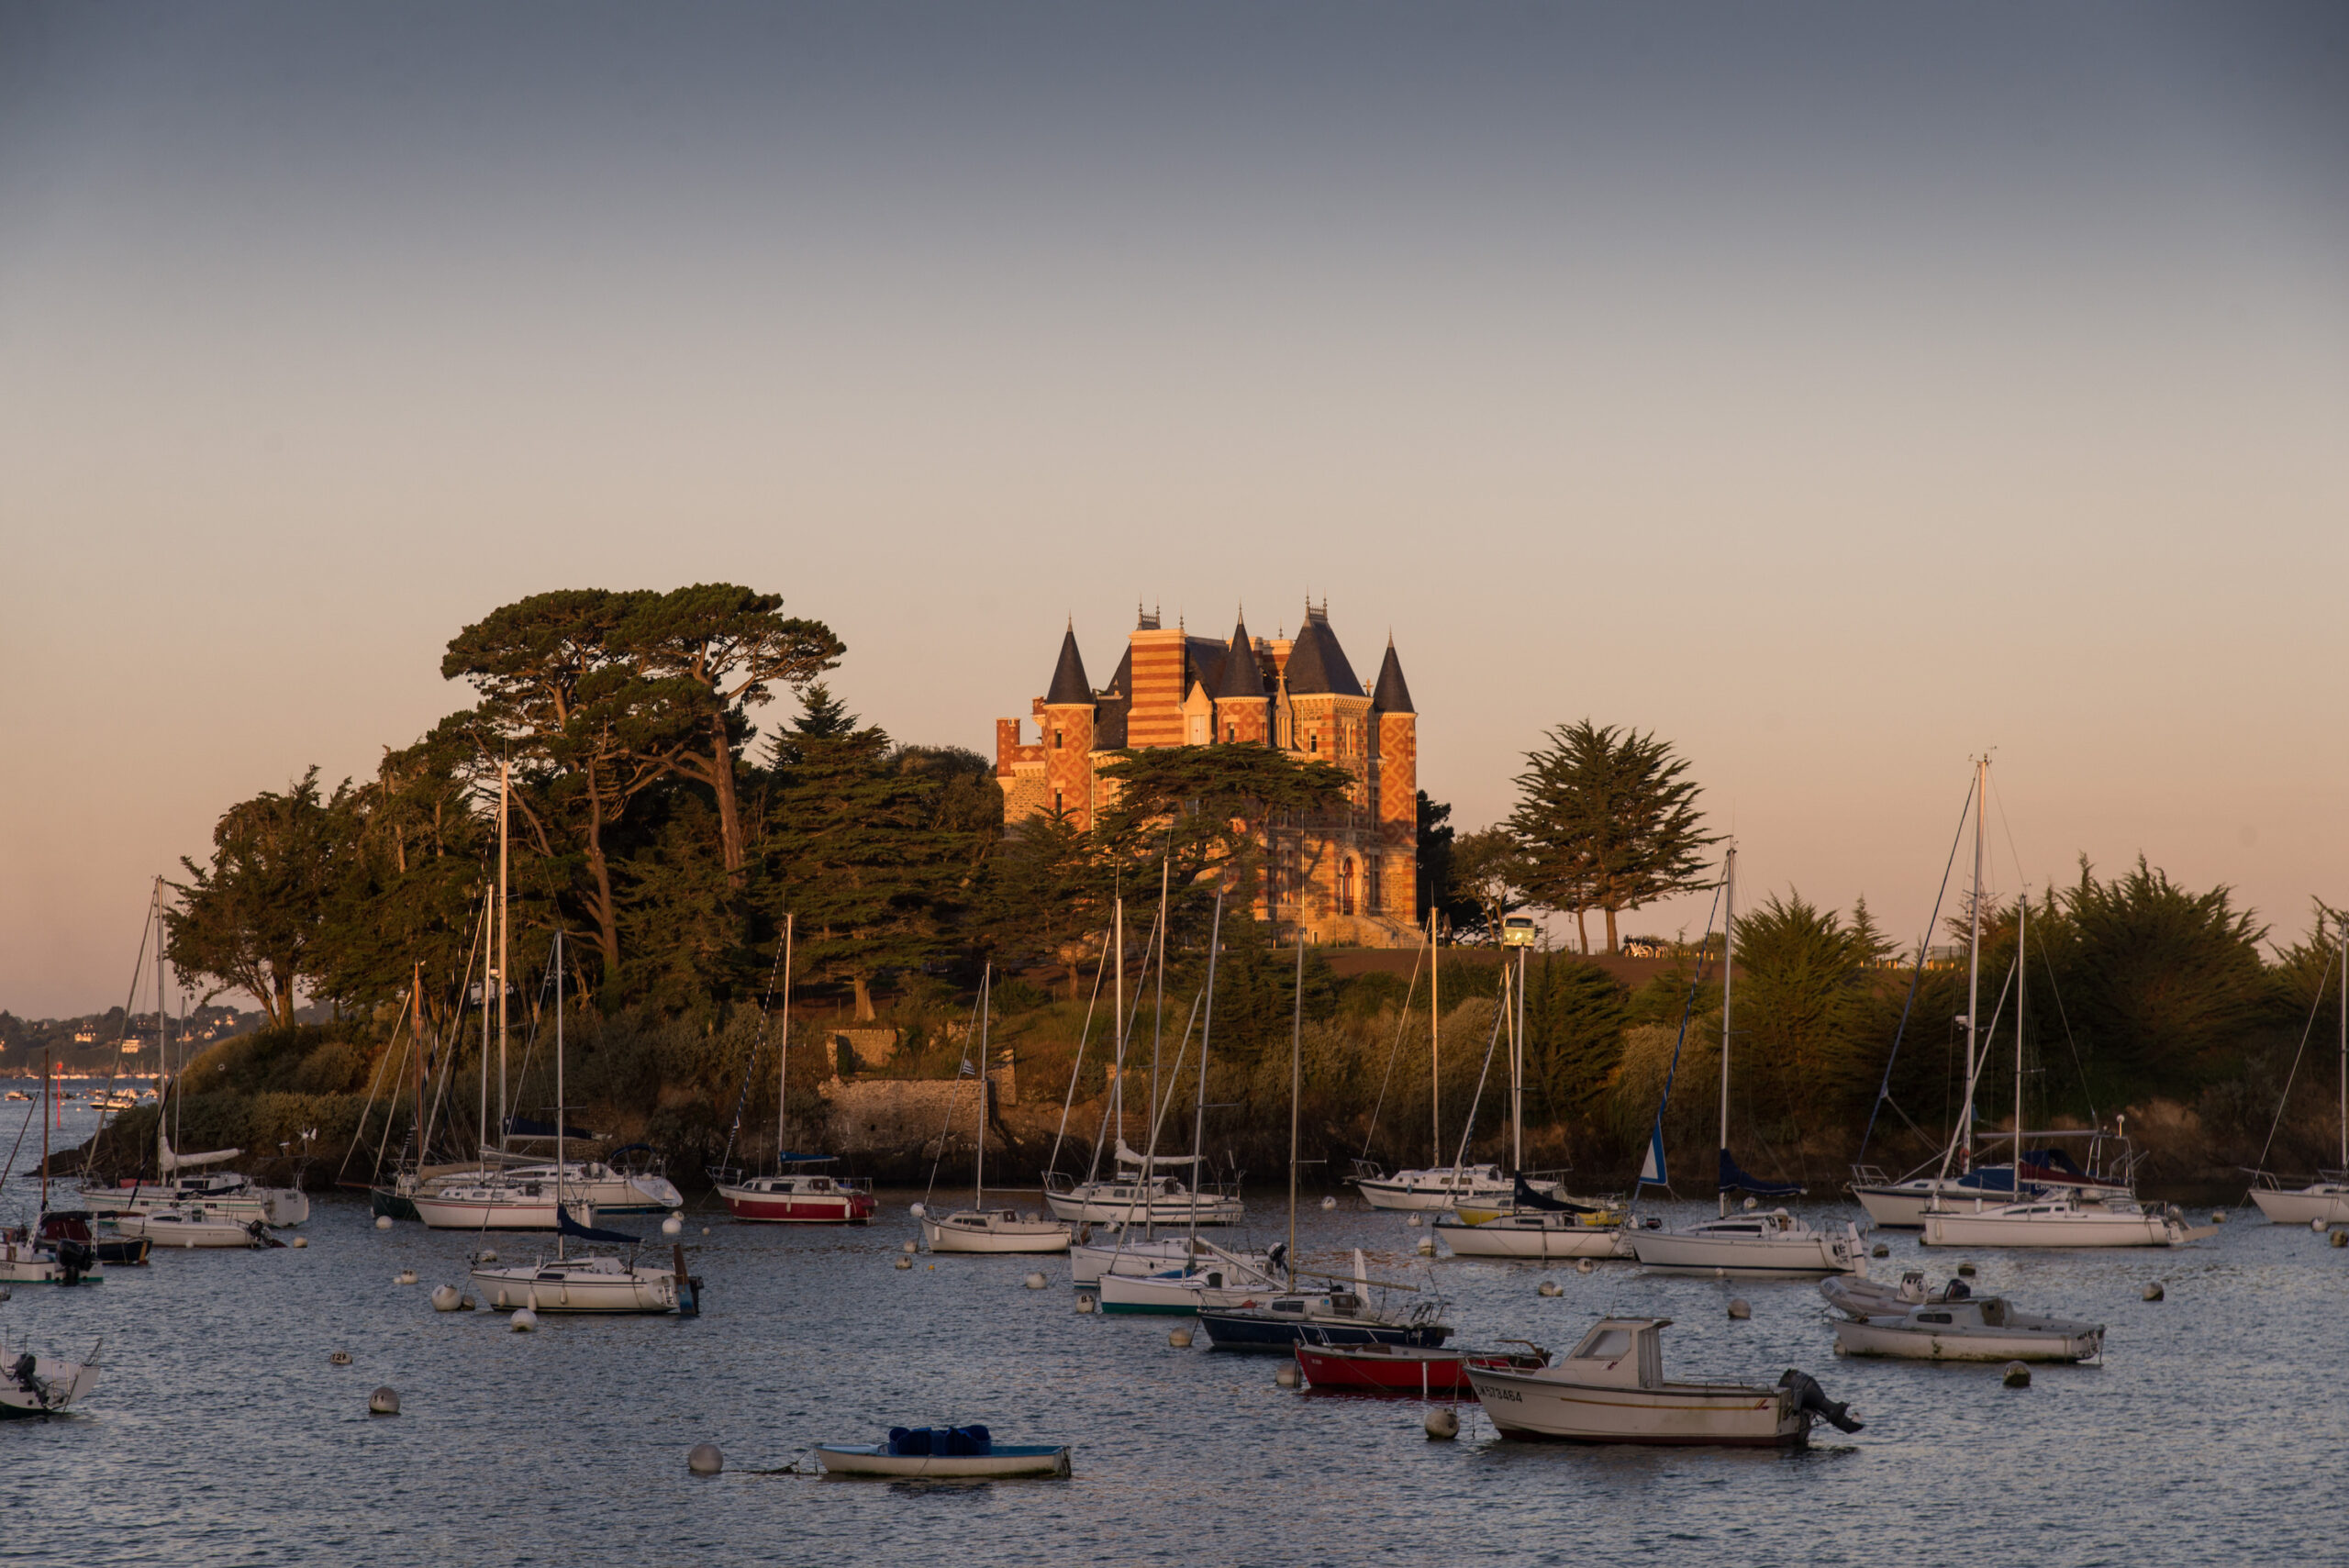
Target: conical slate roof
{"type": "Point", "coordinates": [1242, 676]}
{"type": "Point", "coordinates": [1069, 684]}
{"type": "Point", "coordinates": [1392, 695]}
{"type": "Point", "coordinates": [1316, 663]}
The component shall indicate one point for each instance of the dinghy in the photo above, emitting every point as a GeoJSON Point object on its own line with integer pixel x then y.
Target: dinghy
{"type": "Point", "coordinates": [1915, 1323]}
{"type": "Point", "coordinates": [1406, 1369]}
{"type": "Point", "coordinates": [941, 1453]}
{"type": "Point", "coordinates": [1611, 1389]}
{"type": "Point", "coordinates": [32, 1388]}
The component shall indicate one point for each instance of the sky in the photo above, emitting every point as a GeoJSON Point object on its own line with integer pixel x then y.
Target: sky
{"type": "Point", "coordinates": [1837, 391]}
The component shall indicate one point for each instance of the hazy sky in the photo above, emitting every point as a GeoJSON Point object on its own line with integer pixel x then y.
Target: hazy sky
{"type": "Point", "coordinates": [1837, 390]}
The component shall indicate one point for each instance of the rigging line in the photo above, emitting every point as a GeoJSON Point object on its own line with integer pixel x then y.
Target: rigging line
{"type": "Point", "coordinates": [750, 1061]}
{"type": "Point", "coordinates": [1687, 1007]}
{"type": "Point", "coordinates": [146, 931]}
{"type": "Point", "coordinates": [2307, 1030]}
{"type": "Point", "coordinates": [390, 1106]}
{"type": "Point", "coordinates": [2007, 827]}
{"type": "Point", "coordinates": [970, 1033]}
{"type": "Point", "coordinates": [531, 1042]}
{"type": "Point", "coordinates": [1974, 1074]}
{"type": "Point", "coordinates": [1476, 1100]}
{"type": "Point", "coordinates": [1419, 957]}
{"type": "Point", "coordinates": [1924, 943]}
{"type": "Point", "coordinates": [1076, 1067]}
{"type": "Point", "coordinates": [446, 1047]}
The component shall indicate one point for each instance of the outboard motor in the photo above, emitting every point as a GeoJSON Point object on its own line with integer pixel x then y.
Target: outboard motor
{"type": "Point", "coordinates": [1810, 1396]}
{"type": "Point", "coordinates": [1278, 1256]}
{"type": "Point", "coordinates": [75, 1259]}
{"type": "Point", "coordinates": [21, 1372]}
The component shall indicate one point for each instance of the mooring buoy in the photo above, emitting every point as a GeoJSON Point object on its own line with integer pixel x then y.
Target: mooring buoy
{"type": "Point", "coordinates": [705, 1459]}
{"type": "Point", "coordinates": [524, 1320]}
{"type": "Point", "coordinates": [1427, 1246]}
{"type": "Point", "coordinates": [1582, 1265]}
{"type": "Point", "coordinates": [2018, 1375]}
{"type": "Point", "coordinates": [385, 1401]}
{"type": "Point", "coordinates": [338, 1358]}
{"type": "Point", "coordinates": [1180, 1339]}
{"type": "Point", "coordinates": [1286, 1375]}
{"type": "Point", "coordinates": [1443, 1423]}
{"type": "Point", "coordinates": [382, 1222]}
{"type": "Point", "coordinates": [301, 1241]}
{"type": "Point", "coordinates": [1549, 1287]}
{"type": "Point", "coordinates": [1740, 1309]}
{"type": "Point", "coordinates": [673, 1225]}
{"type": "Point", "coordinates": [1084, 1303]}
{"type": "Point", "coordinates": [445, 1298]}
{"type": "Point", "coordinates": [904, 1262]}
{"type": "Point", "coordinates": [406, 1276]}
{"type": "Point", "coordinates": [1880, 1251]}
{"type": "Point", "coordinates": [2151, 1292]}
{"type": "Point", "coordinates": [1329, 1203]}
{"type": "Point", "coordinates": [1034, 1282]}
{"type": "Point", "coordinates": [1965, 1270]}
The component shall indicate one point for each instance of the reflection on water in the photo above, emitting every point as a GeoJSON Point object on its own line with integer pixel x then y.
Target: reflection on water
{"type": "Point", "coordinates": [220, 1434]}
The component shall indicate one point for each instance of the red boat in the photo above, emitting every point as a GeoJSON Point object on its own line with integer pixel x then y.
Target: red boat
{"type": "Point", "coordinates": [800, 1200]}
{"type": "Point", "coordinates": [1407, 1369]}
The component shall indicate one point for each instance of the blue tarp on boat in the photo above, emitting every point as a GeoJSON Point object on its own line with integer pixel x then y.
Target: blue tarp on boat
{"type": "Point", "coordinates": [572, 1228]}
{"type": "Point", "coordinates": [1734, 1180]}
{"type": "Point", "coordinates": [928, 1442]}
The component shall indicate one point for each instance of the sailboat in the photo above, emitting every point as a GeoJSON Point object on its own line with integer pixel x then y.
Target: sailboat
{"type": "Point", "coordinates": [979, 1228]}
{"type": "Point", "coordinates": [1766, 1245]}
{"type": "Point", "coordinates": [794, 1194]}
{"type": "Point", "coordinates": [2324, 1201]}
{"type": "Point", "coordinates": [1332, 1315]}
{"type": "Point", "coordinates": [35, 1389]}
{"type": "Point", "coordinates": [1437, 1187]}
{"type": "Point", "coordinates": [589, 1283]}
{"type": "Point", "coordinates": [43, 1255]}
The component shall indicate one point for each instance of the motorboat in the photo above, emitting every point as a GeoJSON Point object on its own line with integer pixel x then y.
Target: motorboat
{"type": "Point", "coordinates": [34, 1389]}
{"type": "Point", "coordinates": [1281, 1322]}
{"type": "Point", "coordinates": [1767, 1243]}
{"type": "Point", "coordinates": [103, 1238]}
{"type": "Point", "coordinates": [1914, 1322]}
{"type": "Point", "coordinates": [1611, 1389]}
{"type": "Point", "coordinates": [935, 1453]}
{"type": "Point", "coordinates": [195, 1225]}
{"type": "Point", "coordinates": [1406, 1369]}
{"type": "Point", "coordinates": [993, 1230]}
{"type": "Point", "coordinates": [2058, 1222]}
{"type": "Point", "coordinates": [26, 1261]}
{"type": "Point", "coordinates": [800, 1197]}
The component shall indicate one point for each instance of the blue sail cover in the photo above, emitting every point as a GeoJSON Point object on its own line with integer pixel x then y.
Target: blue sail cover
{"type": "Point", "coordinates": [1543, 1202]}
{"type": "Point", "coordinates": [1736, 1180]}
{"type": "Point", "coordinates": [572, 1228]}
{"type": "Point", "coordinates": [1652, 1169]}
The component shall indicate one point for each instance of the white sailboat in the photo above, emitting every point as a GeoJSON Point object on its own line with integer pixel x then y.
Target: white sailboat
{"type": "Point", "coordinates": [979, 1228]}
{"type": "Point", "coordinates": [589, 1283]}
{"type": "Point", "coordinates": [2324, 1201]}
{"type": "Point", "coordinates": [1775, 1244]}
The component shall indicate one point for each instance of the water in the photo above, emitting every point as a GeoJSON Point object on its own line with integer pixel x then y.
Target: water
{"type": "Point", "coordinates": [219, 1433]}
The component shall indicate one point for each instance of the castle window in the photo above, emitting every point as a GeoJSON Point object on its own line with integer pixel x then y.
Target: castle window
{"type": "Point", "coordinates": [1313, 742]}
{"type": "Point", "coordinates": [1346, 886]}
{"type": "Point", "coordinates": [1056, 740]}
{"type": "Point", "coordinates": [1370, 885]}
{"type": "Point", "coordinates": [1057, 807]}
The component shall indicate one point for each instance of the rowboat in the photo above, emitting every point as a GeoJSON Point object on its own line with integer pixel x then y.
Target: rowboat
{"type": "Point", "coordinates": [1406, 1369]}
{"type": "Point", "coordinates": [1611, 1389]}
{"type": "Point", "coordinates": [1914, 1323]}
{"type": "Point", "coordinates": [937, 1454]}
{"type": "Point", "coordinates": [1335, 1316]}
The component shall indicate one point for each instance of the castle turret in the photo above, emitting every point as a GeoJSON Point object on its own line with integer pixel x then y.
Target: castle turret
{"type": "Point", "coordinates": [1066, 714]}
{"type": "Point", "coordinates": [1242, 701]}
{"type": "Point", "coordinates": [1396, 769]}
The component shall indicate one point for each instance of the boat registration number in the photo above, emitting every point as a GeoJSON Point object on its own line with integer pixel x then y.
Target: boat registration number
{"type": "Point", "coordinates": [1509, 1394]}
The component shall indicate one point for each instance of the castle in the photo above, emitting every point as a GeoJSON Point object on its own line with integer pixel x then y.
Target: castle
{"type": "Point", "coordinates": [1348, 875]}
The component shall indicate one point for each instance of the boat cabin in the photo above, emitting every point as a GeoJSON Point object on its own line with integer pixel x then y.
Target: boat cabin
{"type": "Point", "coordinates": [1619, 1352]}
{"type": "Point", "coordinates": [1776, 1222]}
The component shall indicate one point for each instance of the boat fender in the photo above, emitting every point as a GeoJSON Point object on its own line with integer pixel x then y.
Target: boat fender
{"type": "Point", "coordinates": [1810, 1396]}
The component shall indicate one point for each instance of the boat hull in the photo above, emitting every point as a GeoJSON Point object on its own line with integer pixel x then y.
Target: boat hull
{"type": "Point", "coordinates": [28, 1265]}
{"type": "Point", "coordinates": [959, 1233]}
{"type": "Point", "coordinates": [492, 1214]}
{"type": "Point", "coordinates": [1089, 1261]}
{"type": "Point", "coordinates": [2324, 1202]}
{"type": "Point", "coordinates": [52, 1392]}
{"type": "Point", "coordinates": [1400, 1369]}
{"type": "Point", "coordinates": [1006, 1459]}
{"type": "Point", "coordinates": [1531, 1407]}
{"type": "Point", "coordinates": [1798, 1257]}
{"type": "Point", "coordinates": [1904, 1343]}
{"type": "Point", "coordinates": [1176, 1295]}
{"type": "Point", "coordinates": [1243, 1330]}
{"type": "Point", "coordinates": [1502, 1239]}
{"type": "Point", "coordinates": [171, 1230]}
{"type": "Point", "coordinates": [1201, 1208]}
{"type": "Point", "coordinates": [557, 1289]}
{"type": "Point", "coordinates": [797, 1208]}
{"type": "Point", "coordinates": [1991, 1228]}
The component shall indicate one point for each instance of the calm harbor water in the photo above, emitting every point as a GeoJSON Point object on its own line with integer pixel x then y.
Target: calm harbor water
{"type": "Point", "coordinates": [220, 1434]}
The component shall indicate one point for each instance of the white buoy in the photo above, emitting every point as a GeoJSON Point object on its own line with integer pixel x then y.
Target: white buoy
{"type": "Point", "coordinates": [2018, 1375]}
{"type": "Point", "coordinates": [1552, 1288]}
{"type": "Point", "coordinates": [1740, 1309]}
{"type": "Point", "coordinates": [1084, 1303]}
{"type": "Point", "coordinates": [1413, 1222]}
{"type": "Point", "coordinates": [705, 1459]}
{"type": "Point", "coordinates": [911, 1247]}
{"type": "Point", "coordinates": [2341, 1238]}
{"type": "Point", "coordinates": [1443, 1423]}
{"type": "Point", "coordinates": [486, 1255]}
{"type": "Point", "coordinates": [301, 1241]}
{"type": "Point", "coordinates": [383, 1402]}
{"type": "Point", "coordinates": [2217, 1217]}
{"type": "Point", "coordinates": [1752, 1202]}
{"type": "Point", "coordinates": [338, 1358]}
{"type": "Point", "coordinates": [1286, 1376]}
{"type": "Point", "coordinates": [673, 1225]}
{"type": "Point", "coordinates": [1034, 1282]}
{"type": "Point", "coordinates": [406, 1276]}
{"type": "Point", "coordinates": [917, 1210]}
{"type": "Point", "coordinates": [445, 1298]}
{"type": "Point", "coordinates": [1582, 1265]}
{"type": "Point", "coordinates": [382, 1222]}
{"type": "Point", "coordinates": [2317, 1226]}
{"type": "Point", "coordinates": [1427, 1246]}
{"type": "Point", "coordinates": [704, 1230]}
{"type": "Point", "coordinates": [2151, 1292]}
{"type": "Point", "coordinates": [1329, 1203]}
{"type": "Point", "coordinates": [904, 1262]}
{"type": "Point", "coordinates": [1880, 1251]}
{"type": "Point", "coordinates": [465, 1302]}
{"type": "Point", "coordinates": [1180, 1339]}
{"type": "Point", "coordinates": [524, 1320]}
{"type": "Point", "coordinates": [1967, 1270]}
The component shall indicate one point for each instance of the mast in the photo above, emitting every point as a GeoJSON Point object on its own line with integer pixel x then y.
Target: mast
{"type": "Point", "coordinates": [1974, 963]}
{"type": "Point", "coordinates": [416, 1021]}
{"type": "Point", "coordinates": [2023, 991]}
{"type": "Point", "coordinates": [1517, 1076]}
{"type": "Point", "coordinates": [163, 1035]}
{"type": "Point", "coordinates": [1435, 1042]}
{"type": "Point", "coordinates": [979, 1171]}
{"type": "Point", "coordinates": [45, 1114]}
{"type": "Point", "coordinates": [559, 1172]}
{"type": "Point", "coordinates": [1157, 1019]}
{"type": "Point", "coordinates": [1200, 1109]}
{"type": "Point", "coordinates": [783, 1066]}
{"type": "Point", "coordinates": [1729, 963]}
{"type": "Point", "coordinates": [1117, 1088]}
{"type": "Point", "coordinates": [2343, 921]}
{"type": "Point", "coordinates": [1296, 1092]}
{"type": "Point", "coordinates": [488, 914]}
{"type": "Point", "coordinates": [504, 932]}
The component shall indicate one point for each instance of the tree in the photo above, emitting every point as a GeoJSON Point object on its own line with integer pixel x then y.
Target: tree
{"type": "Point", "coordinates": [1607, 822]}
{"type": "Point", "coordinates": [1805, 1010]}
{"type": "Point", "coordinates": [724, 647]}
{"type": "Point", "coordinates": [1489, 868]}
{"type": "Point", "coordinates": [1043, 898]}
{"type": "Point", "coordinates": [1202, 808]}
{"type": "Point", "coordinates": [251, 920]}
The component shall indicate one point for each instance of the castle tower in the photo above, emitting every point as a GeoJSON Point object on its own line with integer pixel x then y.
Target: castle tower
{"type": "Point", "coordinates": [1242, 705]}
{"type": "Point", "coordinates": [1397, 725]}
{"type": "Point", "coordinates": [1066, 714]}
